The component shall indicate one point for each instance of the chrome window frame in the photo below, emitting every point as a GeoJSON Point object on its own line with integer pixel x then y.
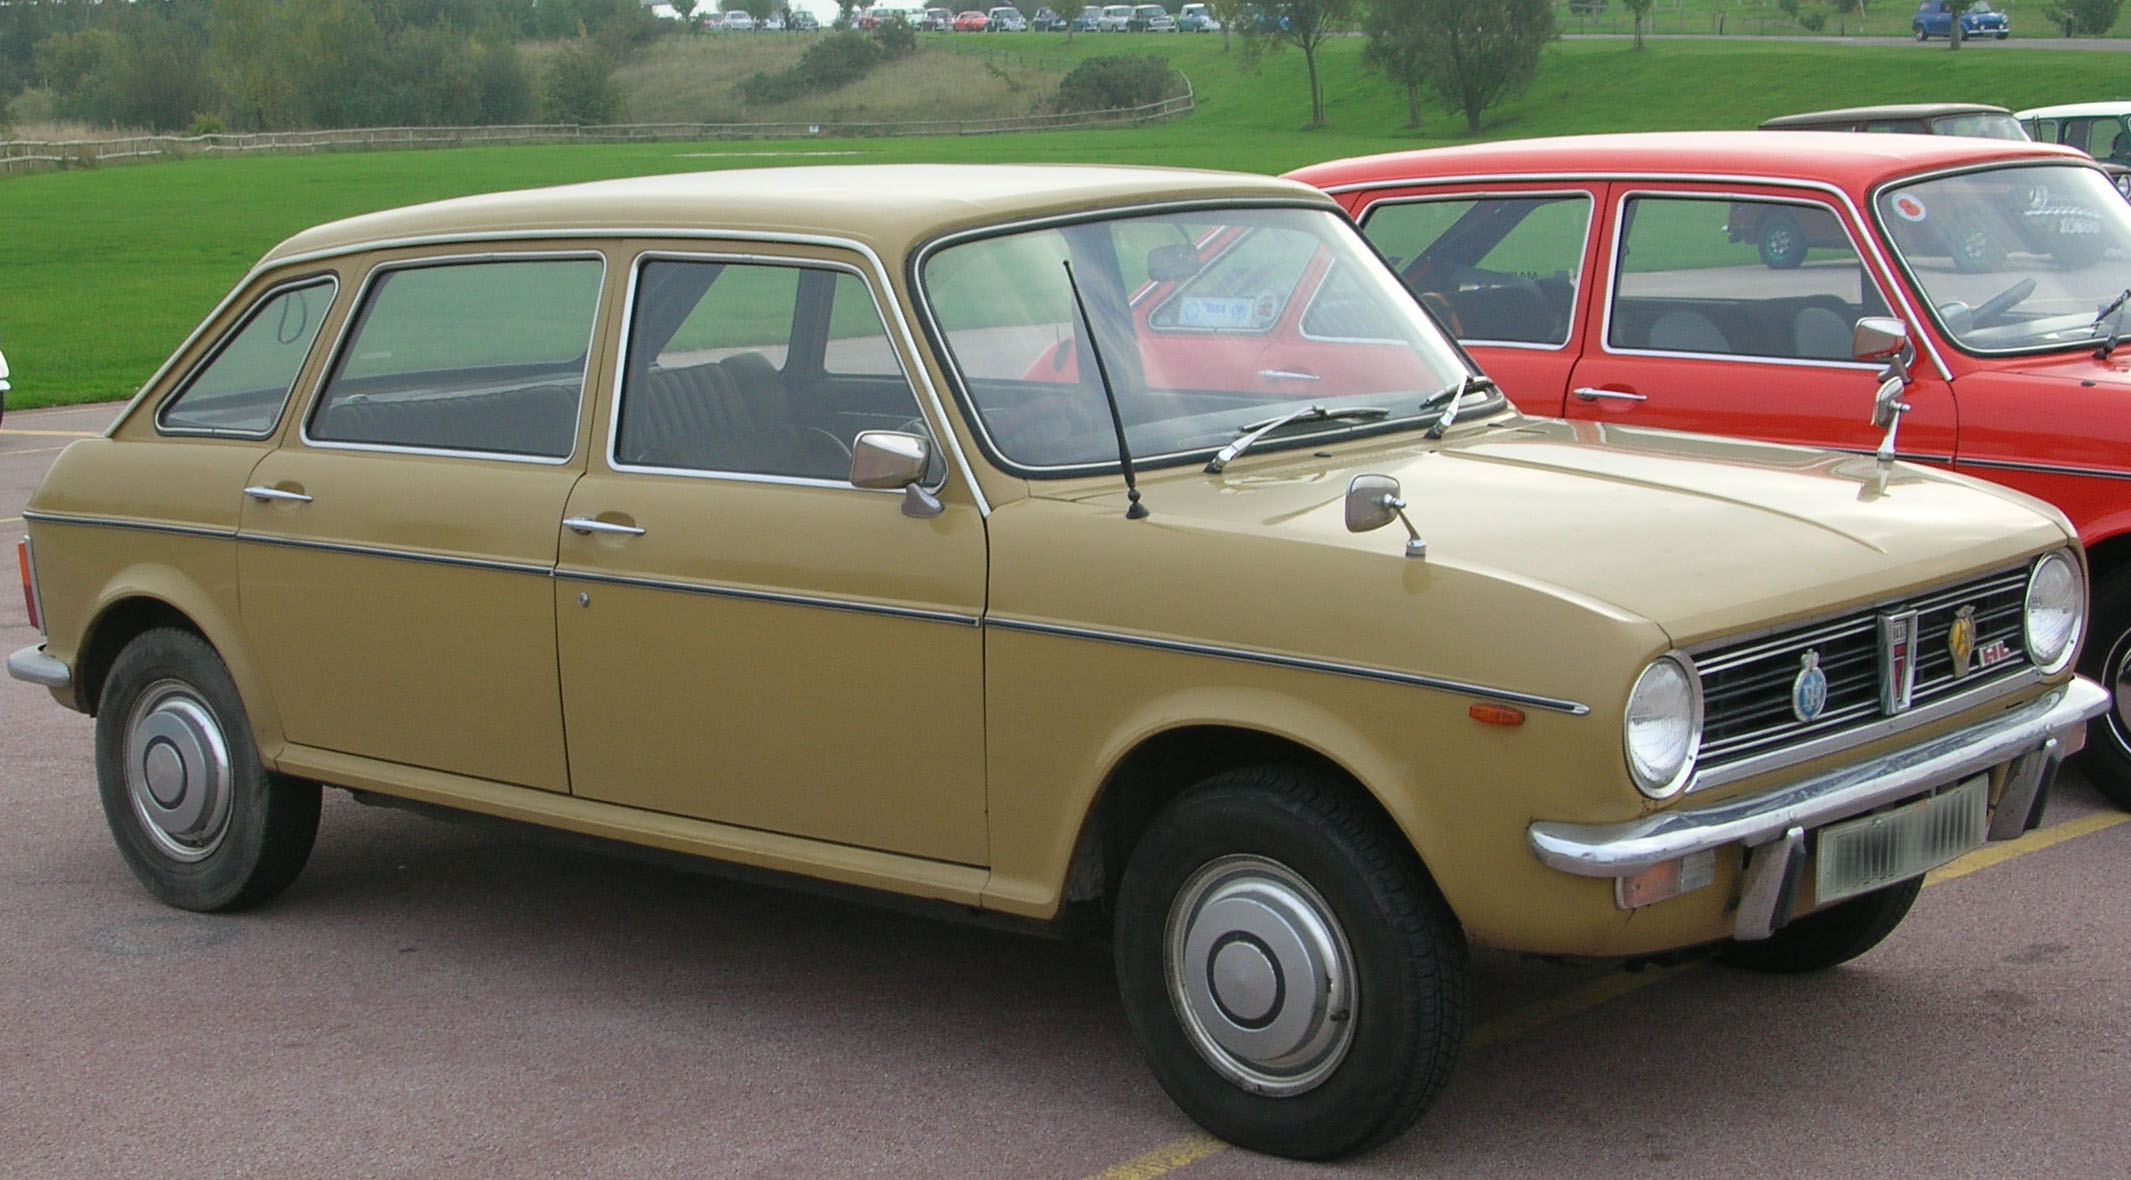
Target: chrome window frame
{"type": "Point", "coordinates": [368, 288]}
{"type": "Point", "coordinates": [166, 402]}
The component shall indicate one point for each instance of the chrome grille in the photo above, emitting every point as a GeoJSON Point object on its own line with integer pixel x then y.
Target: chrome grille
{"type": "Point", "coordinates": [1746, 686]}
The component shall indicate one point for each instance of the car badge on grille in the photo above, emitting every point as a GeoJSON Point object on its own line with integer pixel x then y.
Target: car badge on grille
{"type": "Point", "coordinates": [1961, 639]}
{"type": "Point", "coordinates": [1809, 689]}
{"type": "Point", "coordinates": [1897, 661]}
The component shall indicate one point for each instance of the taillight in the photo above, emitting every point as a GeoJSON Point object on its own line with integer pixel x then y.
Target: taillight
{"type": "Point", "coordinates": [29, 585]}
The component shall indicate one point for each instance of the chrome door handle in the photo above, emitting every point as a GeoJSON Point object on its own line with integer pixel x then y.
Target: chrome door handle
{"type": "Point", "coordinates": [268, 495]}
{"type": "Point", "coordinates": [588, 526]}
{"type": "Point", "coordinates": [1615, 395]}
{"type": "Point", "coordinates": [1286, 375]}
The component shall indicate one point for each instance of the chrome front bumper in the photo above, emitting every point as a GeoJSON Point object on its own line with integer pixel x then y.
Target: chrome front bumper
{"type": "Point", "coordinates": [32, 665]}
{"type": "Point", "coordinates": [1771, 826]}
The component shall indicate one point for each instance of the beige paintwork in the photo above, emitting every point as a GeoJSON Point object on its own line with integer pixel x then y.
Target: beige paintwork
{"type": "Point", "coordinates": [804, 678]}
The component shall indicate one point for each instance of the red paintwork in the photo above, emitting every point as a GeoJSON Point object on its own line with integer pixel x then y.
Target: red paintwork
{"type": "Point", "coordinates": [2065, 410]}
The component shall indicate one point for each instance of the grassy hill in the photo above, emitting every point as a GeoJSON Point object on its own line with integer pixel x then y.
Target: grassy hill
{"type": "Point", "coordinates": [107, 269]}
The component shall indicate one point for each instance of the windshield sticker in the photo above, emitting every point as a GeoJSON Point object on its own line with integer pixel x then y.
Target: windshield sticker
{"type": "Point", "coordinates": [1908, 208]}
{"type": "Point", "coordinates": [1203, 311]}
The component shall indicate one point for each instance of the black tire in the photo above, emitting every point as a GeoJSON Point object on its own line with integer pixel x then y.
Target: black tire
{"type": "Point", "coordinates": [1781, 241]}
{"type": "Point", "coordinates": [1921, 35]}
{"type": "Point", "coordinates": [2106, 761]}
{"type": "Point", "coordinates": [1834, 935]}
{"type": "Point", "coordinates": [1273, 851]}
{"type": "Point", "coordinates": [198, 819]}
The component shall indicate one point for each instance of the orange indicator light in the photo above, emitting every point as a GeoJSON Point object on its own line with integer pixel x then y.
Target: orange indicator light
{"type": "Point", "coordinates": [1491, 714]}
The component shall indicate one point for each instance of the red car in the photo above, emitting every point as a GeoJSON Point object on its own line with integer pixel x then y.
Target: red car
{"type": "Point", "coordinates": [1630, 280]}
{"type": "Point", "coordinates": [972, 22]}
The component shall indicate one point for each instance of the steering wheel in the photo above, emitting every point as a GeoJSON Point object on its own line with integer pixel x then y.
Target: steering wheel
{"type": "Point", "coordinates": [1997, 305]}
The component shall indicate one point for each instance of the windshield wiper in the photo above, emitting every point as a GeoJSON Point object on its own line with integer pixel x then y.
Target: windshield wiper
{"type": "Point", "coordinates": [2105, 316]}
{"type": "Point", "coordinates": [1311, 413]}
{"type": "Point", "coordinates": [1451, 397]}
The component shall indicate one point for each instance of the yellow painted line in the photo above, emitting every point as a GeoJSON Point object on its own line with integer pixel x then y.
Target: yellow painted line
{"type": "Point", "coordinates": [1184, 1152]}
{"type": "Point", "coordinates": [8, 430]}
{"type": "Point", "coordinates": [1164, 1159]}
{"type": "Point", "coordinates": [2035, 841]}
{"type": "Point", "coordinates": [10, 520]}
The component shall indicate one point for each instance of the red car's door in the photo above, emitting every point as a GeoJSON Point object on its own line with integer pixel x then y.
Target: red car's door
{"type": "Point", "coordinates": [1504, 268]}
{"type": "Point", "coordinates": [1729, 310]}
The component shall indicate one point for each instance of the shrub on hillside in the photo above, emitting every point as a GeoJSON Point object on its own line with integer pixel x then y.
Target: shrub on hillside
{"type": "Point", "coordinates": [830, 63]}
{"type": "Point", "coordinates": [579, 87]}
{"type": "Point", "coordinates": [1114, 81]}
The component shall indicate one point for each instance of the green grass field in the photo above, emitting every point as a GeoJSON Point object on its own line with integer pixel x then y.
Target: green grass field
{"type": "Point", "coordinates": [105, 270]}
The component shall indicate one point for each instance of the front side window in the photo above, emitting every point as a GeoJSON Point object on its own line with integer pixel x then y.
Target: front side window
{"type": "Point", "coordinates": [2015, 258]}
{"type": "Point", "coordinates": [1202, 324]}
{"type": "Point", "coordinates": [485, 357]}
{"type": "Point", "coordinates": [754, 368]}
{"type": "Point", "coordinates": [1496, 269]}
{"type": "Point", "coordinates": [1741, 278]}
{"type": "Point", "coordinates": [242, 387]}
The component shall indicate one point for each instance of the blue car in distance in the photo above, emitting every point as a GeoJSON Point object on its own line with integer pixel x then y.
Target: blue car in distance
{"type": "Point", "coordinates": [1934, 18]}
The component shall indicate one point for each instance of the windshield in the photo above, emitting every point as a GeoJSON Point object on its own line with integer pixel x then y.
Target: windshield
{"type": "Point", "coordinates": [1206, 322]}
{"type": "Point", "coordinates": [2013, 258]}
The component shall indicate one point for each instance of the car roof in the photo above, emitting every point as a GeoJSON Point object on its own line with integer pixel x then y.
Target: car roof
{"type": "Point", "coordinates": [2073, 110]}
{"type": "Point", "coordinates": [883, 206]}
{"type": "Point", "coordinates": [1857, 162]}
{"type": "Point", "coordinates": [1896, 110]}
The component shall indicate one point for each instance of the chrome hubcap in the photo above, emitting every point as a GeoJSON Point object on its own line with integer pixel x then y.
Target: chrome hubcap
{"type": "Point", "coordinates": [1260, 974]}
{"type": "Point", "coordinates": [177, 771]}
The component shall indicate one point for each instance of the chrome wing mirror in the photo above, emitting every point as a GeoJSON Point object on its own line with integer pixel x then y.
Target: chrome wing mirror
{"type": "Point", "coordinates": [1372, 502]}
{"type": "Point", "coordinates": [1881, 339]}
{"type": "Point", "coordinates": [888, 459]}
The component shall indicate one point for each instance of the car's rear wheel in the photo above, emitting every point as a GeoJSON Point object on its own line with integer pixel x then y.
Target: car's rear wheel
{"type": "Point", "coordinates": [1293, 978]}
{"type": "Point", "coordinates": [195, 815]}
{"type": "Point", "coordinates": [1781, 241]}
{"type": "Point", "coordinates": [1834, 935]}
{"type": "Point", "coordinates": [1920, 34]}
{"type": "Point", "coordinates": [2106, 761]}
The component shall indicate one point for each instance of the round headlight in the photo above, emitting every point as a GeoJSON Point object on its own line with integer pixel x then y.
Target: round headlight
{"type": "Point", "coordinates": [2056, 611]}
{"type": "Point", "coordinates": [1663, 727]}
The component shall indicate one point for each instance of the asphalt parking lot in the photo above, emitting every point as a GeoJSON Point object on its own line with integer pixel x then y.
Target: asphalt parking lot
{"type": "Point", "coordinates": [440, 1000]}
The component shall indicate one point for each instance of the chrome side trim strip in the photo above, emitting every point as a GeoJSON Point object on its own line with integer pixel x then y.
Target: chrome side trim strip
{"type": "Point", "coordinates": [1270, 659]}
{"type": "Point", "coordinates": [479, 563]}
{"type": "Point", "coordinates": [30, 664]}
{"type": "Point", "coordinates": [709, 591]}
{"type": "Point", "coordinates": [138, 526]}
{"type": "Point", "coordinates": [2042, 468]}
{"type": "Point", "coordinates": [1625, 849]}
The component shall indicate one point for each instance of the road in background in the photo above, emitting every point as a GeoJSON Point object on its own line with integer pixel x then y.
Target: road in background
{"type": "Point", "coordinates": [443, 1000]}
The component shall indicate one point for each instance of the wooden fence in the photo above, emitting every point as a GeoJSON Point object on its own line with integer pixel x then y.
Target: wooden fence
{"type": "Point", "coordinates": [21, 155]}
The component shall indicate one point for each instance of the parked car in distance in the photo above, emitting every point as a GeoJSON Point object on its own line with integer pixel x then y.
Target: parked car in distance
{"type": "Point", "coordinates": [1007, 20]}
{"type": "Point", "coordinates": [936, 20]}
{"type": "Point", "coordinates": [1912, 118]}
{"type": "Point", "coordinates": [1604, 279]}
{"type": "Point", "coordinates": [802, 21]}
{"type": "Point", "coordinates": [737, 20]}
{"type": "Point", "coordinates": [1116, 18]}
{"type": "Point", "coordinates": [594, 550]}
{"type": "Point", "coordinates": [2100, 129]}
{"type": "Point", "coordinates": [1089, 20]}
{"type": "Point", "coordinates": [1197, 18]}
{"type": "Point", "coordinates": [1047, 20]}
{"type": "Point", "coordinates": [972, 21]}
{"type": "Point", "coordinates": [1935, 18]}
{"type": "Point", "coordinates": [1152, 18]}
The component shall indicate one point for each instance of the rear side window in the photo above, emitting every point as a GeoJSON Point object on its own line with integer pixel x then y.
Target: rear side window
{"type": "Point", "coordinates": [1498, 270]}
{"type": "Point", "coordinates": [1741, 278]}
{"type": "Point", "coordinates": [243, 386]}
{"type": "Point", "coordinates": [485, 357]}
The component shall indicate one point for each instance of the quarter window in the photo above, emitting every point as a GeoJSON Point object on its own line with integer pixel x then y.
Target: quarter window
{"type": "Point", "coordinates": [1492, 269]}
{"type": "Point", "coordinates": [1737, 278]}
{"type": "Point", "coordinates": [241, 389]}
{"type": "Point", "coordinates": [754, 368]}
{"type": "Point", "coordinates": [486, 357]}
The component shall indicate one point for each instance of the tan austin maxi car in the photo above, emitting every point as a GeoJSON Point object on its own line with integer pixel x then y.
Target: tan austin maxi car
{"type": "Point", "coordinates": [1062, 542]}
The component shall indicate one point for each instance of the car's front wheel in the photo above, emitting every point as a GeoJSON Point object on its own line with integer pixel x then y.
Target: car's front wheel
{"type": "Point", "coordinates": [195, 815]}
{"type": "Point", "coordinates": [1293, 978]}
{"type": "Point", "coordinates": [1781, 241]}
{"type": "Point", "coordinates": [2106, 761]}
{"type": "Point", "coordinates": [1920, 33]}
{"type": "Point", "coordinates": [1834, 935]}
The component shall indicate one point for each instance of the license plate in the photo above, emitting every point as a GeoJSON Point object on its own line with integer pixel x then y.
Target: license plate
{"type": "Point", "coordinates": [1860, 855]}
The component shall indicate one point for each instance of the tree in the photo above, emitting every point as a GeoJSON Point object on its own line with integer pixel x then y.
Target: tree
{"type": "Point", "coordinates": [1640, 9]}
{"type": "Point", "coordinates": [1305, 24]}
{"type": "Point", "coordinates": [1470, 54]}
{"type": "Point", "coordinates": [579, 86]}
